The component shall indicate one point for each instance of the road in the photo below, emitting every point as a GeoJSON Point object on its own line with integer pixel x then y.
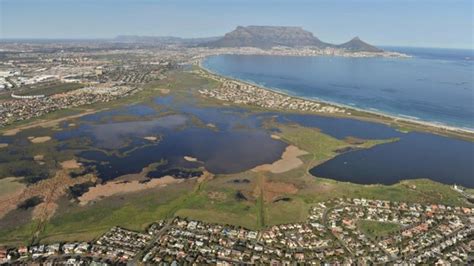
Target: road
{"type": "Point", "coordinates": [152, 242]}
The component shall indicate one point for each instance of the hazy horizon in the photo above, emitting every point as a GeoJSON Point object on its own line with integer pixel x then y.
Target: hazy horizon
{"type": "Point", "coordinates": [404, 23]}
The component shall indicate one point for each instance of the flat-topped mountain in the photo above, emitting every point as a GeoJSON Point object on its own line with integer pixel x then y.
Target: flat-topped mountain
{"type": "Point", "coordinates": [267, 37]}
{"type": "Point", "coordinates": [264, 37]}
{"type": "Point", "coordinates": [357, 44]}
{"type": "Point", "coordinates": [271, 36]}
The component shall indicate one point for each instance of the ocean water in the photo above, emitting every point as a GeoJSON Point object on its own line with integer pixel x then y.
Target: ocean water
{"type": "Point", "coordinates": [435, 85]}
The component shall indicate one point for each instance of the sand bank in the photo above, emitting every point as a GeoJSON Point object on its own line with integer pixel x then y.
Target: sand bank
{"type": "Point", "coordinates": [40, 139]}
{"type": "Point", "coordinates": [289, 160]}
{"type": "Point", "coordinates": [190, 159]}
{"type": "Point", "coordinates": [117, 187]}
{"type": "Point", "coordinates": [70, 164]}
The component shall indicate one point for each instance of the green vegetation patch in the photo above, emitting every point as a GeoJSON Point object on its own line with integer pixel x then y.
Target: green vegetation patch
{"type": "Point", "coordinates": [50, 89]}
{"type": "Point", "coordinates": [320, 145]}
{"type": "Point", "coordinates": [376, 230]}
{"type": "Point", "coordinates": [132, 210]}
{"type": "Point", "coordinates": [10, 185]}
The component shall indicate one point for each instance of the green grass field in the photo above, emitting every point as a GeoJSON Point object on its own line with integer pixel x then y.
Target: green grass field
{"type": "Point", "coordinates": [10, 185]}
{"type": "Point", "coordinates": [376, 230]}
{"type": "Point", "coordinates": [49, 89]}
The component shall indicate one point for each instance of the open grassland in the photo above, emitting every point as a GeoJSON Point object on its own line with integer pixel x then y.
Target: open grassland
{"type": "Point", "coordinates": [9, 186]}
{"type": "Point", "coordinates": [321, 147]}
{"type": "Point", "coordinates": [376, 229]}
{"type": "Point", "coordinates": [77, 223]}
{"type": "Point", "coordinates": [50, 89]}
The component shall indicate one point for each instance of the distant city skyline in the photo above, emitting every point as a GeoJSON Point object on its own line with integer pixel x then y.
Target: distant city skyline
{"type": "Point", "coordinates": [422, 23]}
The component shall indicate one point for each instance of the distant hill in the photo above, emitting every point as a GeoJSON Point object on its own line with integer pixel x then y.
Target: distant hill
{"type": "Point", "coordinates": [267, 37]}
{"type": "Point", "coordinates": [271, 36]}
{"type": "Point", "coordinates": [358, 45]}
{"type": "Point", "coordinates": [163, 40]}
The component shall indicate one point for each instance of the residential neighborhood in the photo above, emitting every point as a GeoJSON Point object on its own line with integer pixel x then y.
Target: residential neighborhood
{"type": "Point", "coordinates": [333, 233]}
{"type": "Point", "coordinates": [238, 92]}
{"type": "Point", "coordinates": [22, 109]}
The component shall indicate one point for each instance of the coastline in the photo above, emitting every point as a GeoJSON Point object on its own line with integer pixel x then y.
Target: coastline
{"type": "Point", "coordinates": [364, 114]}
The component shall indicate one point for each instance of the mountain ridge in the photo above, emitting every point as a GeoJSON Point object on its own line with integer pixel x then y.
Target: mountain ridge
{"type": "Point", "coordinates": [292, 36]}
{"type": "Point", "coordinates": [267, 37]}
{"type": "Point", "coordinates": [264, 37]}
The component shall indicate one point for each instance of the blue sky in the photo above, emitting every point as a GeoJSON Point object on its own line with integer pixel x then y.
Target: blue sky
{"type": "Point", "coordinates": [433, 23]}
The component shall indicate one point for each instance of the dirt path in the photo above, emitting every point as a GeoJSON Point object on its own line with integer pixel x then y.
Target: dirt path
{"type": "Point", "coordinates": [46, 123]}
{"type": "Point", "coordinates": [260, 200]}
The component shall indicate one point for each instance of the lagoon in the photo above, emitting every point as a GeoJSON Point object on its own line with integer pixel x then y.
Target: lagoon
{"type": "Point", "coordinates": [237, 142]}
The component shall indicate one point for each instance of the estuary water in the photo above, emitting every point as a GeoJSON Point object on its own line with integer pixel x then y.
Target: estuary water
{"type": "Point", "coordinates": [435, 85]}
{"type": "Point", "coordinates": [222, 141]}
{"type": "Point", "coordinates": [230, 140]}
{"type": "Point", "coordinates": [414, 155]}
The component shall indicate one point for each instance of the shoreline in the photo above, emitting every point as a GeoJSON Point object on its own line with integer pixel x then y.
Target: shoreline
{"type": "Point", "coordinates": [426, 125]}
